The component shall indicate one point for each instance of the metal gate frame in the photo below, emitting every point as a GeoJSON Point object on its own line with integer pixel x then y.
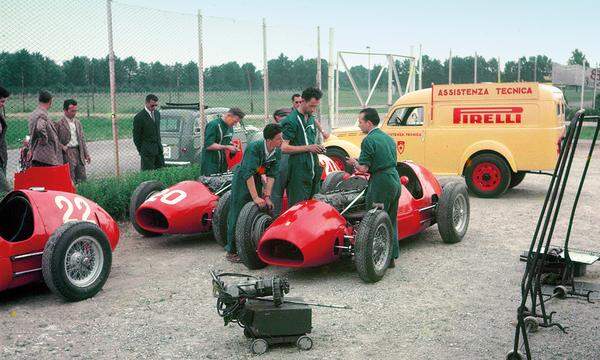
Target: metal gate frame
{"type": "Point", "coordinates": [392, 75]}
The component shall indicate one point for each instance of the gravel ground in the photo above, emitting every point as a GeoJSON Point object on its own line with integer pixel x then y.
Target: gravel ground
{"type": "Point", "coordinates": [440, 302]}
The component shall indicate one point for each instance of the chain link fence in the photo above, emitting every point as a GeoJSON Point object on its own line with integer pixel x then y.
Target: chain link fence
{"type": "Point", "coordinates": [156, 51]}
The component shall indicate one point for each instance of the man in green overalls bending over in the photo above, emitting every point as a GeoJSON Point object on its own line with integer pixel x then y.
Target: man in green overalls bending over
{"type": "Point", "coordinates": [217, 139]}
{"type": "Point", "coordinates": [378, 157]}
{"type": "Point", "coordinates": [299, 137]}
{"type": "Point", "coordinates": [261, 157]}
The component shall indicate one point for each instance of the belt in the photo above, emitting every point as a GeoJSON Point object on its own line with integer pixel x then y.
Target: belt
{"type": "Point", "coordinates": [73, 147]}
{"type": "Point", "coordinates": [381, 170]}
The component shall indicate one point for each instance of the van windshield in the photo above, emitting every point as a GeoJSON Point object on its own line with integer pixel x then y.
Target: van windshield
{"type": "Point", "coordinates": [170, 123]}
{"type": "Point", "coordinates": [407, 116]}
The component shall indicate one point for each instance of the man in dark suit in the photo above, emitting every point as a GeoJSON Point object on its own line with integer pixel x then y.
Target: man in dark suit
{"type": "Point", "coordinates": [146, 135]}
{"type": "Point", "coordinates": [4, 186]}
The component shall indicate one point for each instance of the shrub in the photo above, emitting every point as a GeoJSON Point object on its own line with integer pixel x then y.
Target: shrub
{"type": "Point", "coordinates": [113, 194]}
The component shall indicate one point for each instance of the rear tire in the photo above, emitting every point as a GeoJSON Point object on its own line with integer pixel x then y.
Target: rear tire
{"type": "Point", "coordinates": [339, 157]}
{"type": "Point", "coordinates": [331, 181]}
{"type": "Point", "coordinates": [76, 261]}
{"type": "Point", "coordinates": [141, 194]}
{"type": "Point", "coordinates": [453, 212]}
{"type": "Point", "coordinates": [250, 226]}
{"type": "Point", "coordinates": [219, 219]}
{"type": "Point", "coordinates": [516, 179]}
{"type": "Point", "coordinates": [373, 246]}
{"type": "Point", "coordinates": [487, 175]}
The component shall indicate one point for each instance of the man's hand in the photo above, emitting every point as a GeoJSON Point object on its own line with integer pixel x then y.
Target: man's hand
{"type": "Point", "coordinates": [64, 147]}
{"type": "Point", "coordinates": [315, 149]}
{"type": "Point", "coordinates": [352, 162]}
{"type": "Point", "coordinates": [260, 202]}
{"type": "Point", "coordinates": [88, 159]}
{"type": "Point", "coordinates": [325, 134]}
{"type": "Point", "coordinates": [269, 203]}
{"type": "Point", "coordinates": [232, 148]}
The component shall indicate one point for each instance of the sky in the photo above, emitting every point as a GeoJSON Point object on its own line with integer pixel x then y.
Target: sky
{"type": "Point", "coordinates": [232, 28]}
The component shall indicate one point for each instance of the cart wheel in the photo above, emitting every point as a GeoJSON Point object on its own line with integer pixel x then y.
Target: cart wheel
{"type": "Point", "coordinates": [259, 346]}
{"type": "Point", "coordinates": [531, 323]}
{"type": "Point", "coordinates": [561, 291]}
{"type": "Point", "coordinates": [304, 343]}
{"type": "Point", "coordinates": [453, 212]}
{"type": "Point", "coordinates": [141, 194]}
{"type": "Point", "coordinates": [76, 260]}
{"type": "Point", "coordinates": [331, 181]}
{"type": "Point", "coordinates": [250, 226]}
{"type": "Point", "coordinates": [373, 247]}
{"type": "Point", "coordinates": [512, 355]}
{"type": "Point", "coordinates": [248, 333]}
{"type": "Point", "coordinates": [219, 219]}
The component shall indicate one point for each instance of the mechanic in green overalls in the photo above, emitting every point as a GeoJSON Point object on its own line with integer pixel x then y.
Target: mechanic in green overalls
{"type": "Point", "coordinates": [299, 140]}
{"type": "Point", "coordinates": [261, 157]}
{"type": "Point", "coordinates": [378, 157]}
{"type": "Point", "coordinates": [217, 139]}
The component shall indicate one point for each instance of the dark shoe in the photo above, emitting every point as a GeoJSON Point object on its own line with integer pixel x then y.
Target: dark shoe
{"type": "Point", "coordinates": [233, 258]}
{"type": "Point", "coordinates": [392, 264]}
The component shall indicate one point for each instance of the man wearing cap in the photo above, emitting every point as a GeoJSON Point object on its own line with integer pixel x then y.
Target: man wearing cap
{"type": "Point", "coordinates": [217, 139]}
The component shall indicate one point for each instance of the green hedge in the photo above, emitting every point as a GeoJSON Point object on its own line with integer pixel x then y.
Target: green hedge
{"type": "Point", "coordinates": [113, 194]}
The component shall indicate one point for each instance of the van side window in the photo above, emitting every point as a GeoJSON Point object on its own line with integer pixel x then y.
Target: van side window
{"type": "Point", "coordinates": [407, 116]}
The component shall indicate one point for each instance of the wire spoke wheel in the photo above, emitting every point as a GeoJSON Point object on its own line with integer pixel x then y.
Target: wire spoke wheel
{"type": "Point", "coordinates": [83, 261]}
{"type": "Point", "coordinates": [459, 213]}
{"type": "Point", "coordinates": [380, 247]}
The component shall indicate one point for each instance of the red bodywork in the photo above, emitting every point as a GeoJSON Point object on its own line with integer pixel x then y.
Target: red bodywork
{"type": "Point", "coordinates": [307, 234]}
{"type": "Point", "coordinates": [56, 178]}
{"type": "Point", "coordinates": [41, 213]}
{"type": "Point", "coordinates": [187, 207]}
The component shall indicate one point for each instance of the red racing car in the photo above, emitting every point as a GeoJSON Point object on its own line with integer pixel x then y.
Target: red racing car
{"type": "Point", "coordinates": [189, 207]}
{"type": "Point", "coordinates": [336, 223]}
{"type": "Point", "coordinates": [58, 236]}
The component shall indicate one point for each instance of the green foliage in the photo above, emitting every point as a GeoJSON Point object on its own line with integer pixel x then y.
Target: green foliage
{"type": "Point", "coordinates": [578, 58]}
{"type": "Point", "coordinates": [113, 194]}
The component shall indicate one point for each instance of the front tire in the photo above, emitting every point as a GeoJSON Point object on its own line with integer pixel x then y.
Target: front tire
{"type": "Point", "coordinates": [141, 194]}
{"type": "Point", "coordinates": [373, 246]}
{"type": "Point", "coordinates": [453, 212]}
{"type": "Point", "coordinates": [487, 175]}
{"type": "Point", "coordinates": [249, 228]}
{"type": "Point", "coordinates": [219, 219]}
{"type": "Point", "coordinates": [76, 261]}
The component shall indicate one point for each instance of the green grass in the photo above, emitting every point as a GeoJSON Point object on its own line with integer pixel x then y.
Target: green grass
{"type": "Point", "coordinates": [94, 127]}
{"type": "Point", "coordinates": [113, 194]}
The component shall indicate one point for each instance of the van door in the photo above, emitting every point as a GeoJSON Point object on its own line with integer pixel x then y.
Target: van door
{"type": "Point", "coordinates": [405, 126]}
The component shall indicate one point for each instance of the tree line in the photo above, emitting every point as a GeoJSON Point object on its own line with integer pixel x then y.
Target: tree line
{"type": "Point", "coordinates": [24, 71]}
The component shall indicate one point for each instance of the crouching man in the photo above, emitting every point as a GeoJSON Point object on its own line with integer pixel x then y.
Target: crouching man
{"type": "Point", "coordinates": [261, 157]}
{"type": "Point", "coordinates": [378, 157]}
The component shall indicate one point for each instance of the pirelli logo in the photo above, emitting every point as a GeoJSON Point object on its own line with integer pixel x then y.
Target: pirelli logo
{"type": "Point", "coordinates": [488, 115]}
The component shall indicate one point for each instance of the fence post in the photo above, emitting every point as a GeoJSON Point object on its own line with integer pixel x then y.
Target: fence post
{"type": "Point", "coordinates": [535, 69]}
{"type": "Point", "coordinates": [113, 85]}
{"type": "Point", "coordinates": [499, 78]}
{"type": "Point", "coordinates": [390, 80]}
{"type": "Point", "coordinates": [475, 70]}
{"type": "Point", "coordinates": [582, 85]}
{"type": "Point", "coordinates": [330, 77]}
{"type": "Point", "coordinates": [265, 71]}
{"type": "Point", "coordinates": [450, 68]}
{"type": "Point", "coordinates": [595, 83]}
{"type": "Point", "coordinates": [519, 70]}
{"type": "Point", "coordinates": [420, 66]}
{"type": "Point", "coordinates": [319, 58]}
{"type": "Point", "coordinates": [201, 78]}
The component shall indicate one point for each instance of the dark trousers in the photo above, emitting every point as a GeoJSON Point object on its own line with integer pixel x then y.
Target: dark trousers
{"type": "Point", "coordinates": [39, 164]}
{"type": "Point", "coordinates": [4, 185]}
{"type": "Point", "coordinates": [152, 162]}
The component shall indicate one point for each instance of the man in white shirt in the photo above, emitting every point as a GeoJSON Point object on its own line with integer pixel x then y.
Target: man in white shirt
{"type": "Point", "coordinates": [72, 140]}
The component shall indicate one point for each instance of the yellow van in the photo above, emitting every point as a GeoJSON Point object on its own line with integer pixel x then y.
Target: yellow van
{"type": "Point", "coordinates": [490, 133]}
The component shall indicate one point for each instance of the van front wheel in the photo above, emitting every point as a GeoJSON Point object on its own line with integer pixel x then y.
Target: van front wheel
{"type": "Point", "coordinates": [487, 175]}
